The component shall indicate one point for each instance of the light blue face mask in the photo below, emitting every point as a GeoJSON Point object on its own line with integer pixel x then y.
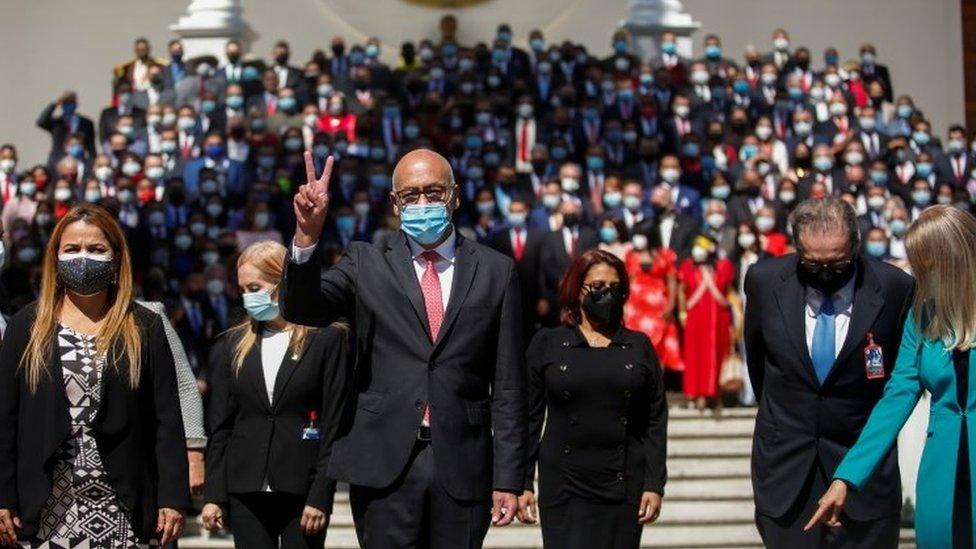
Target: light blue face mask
{"type": "Point", "coordinates": [259, 305]}
{"type": "Point", "coordinates": [425, 223]}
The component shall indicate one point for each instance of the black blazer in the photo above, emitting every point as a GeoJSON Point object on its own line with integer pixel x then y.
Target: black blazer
{"type": "Point", "coordinates": [801, 422]}
{"type": "Point", "coordinates": [55, 125]}
{"type": "Point", "coordinates": [139, 432]}
{"type": "Point", "coordinates": [472, 375]}
{"type": "Point", "coordinates": [252, 440]}
{"type": "Point", "coordinates": [605, 413]}
{"type": "Point", "coordinates": [554, 261]}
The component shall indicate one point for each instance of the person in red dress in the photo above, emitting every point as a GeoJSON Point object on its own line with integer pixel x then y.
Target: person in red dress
{"type": "Point", "coordinates": [650, 309]}
{"type": "Point", "coordinates": [705, 281]}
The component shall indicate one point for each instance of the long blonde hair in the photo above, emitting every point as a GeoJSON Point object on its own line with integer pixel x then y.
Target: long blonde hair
{"type": "Point", "coordinates": [941, 247]}
{"type": "Point", "coordinates": [118, 332]}
{"type": "Point", "coordinates": [268, 257]}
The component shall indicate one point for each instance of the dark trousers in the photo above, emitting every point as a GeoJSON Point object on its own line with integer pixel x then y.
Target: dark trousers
{"type": "Point", "coordinates": [269, 520]}
{"type": "Point", "coordinates": [416, 512]}
{"type": "Point", "coordinates": [786, 532]}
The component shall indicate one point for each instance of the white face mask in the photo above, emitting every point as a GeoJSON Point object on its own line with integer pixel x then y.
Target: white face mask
{"type": "Point", "coordinates": [62, 195]}
{"type": "Point", "coordinates": [765, 223]}
{"type": "Point", "coordinates": [747, 240]}
{"type": "Point", "coordinates": [764, 132]}
{"type": "Point", "coordinates": [699, 254]}
{"type": "Point", "coordinates": [569, 184]}
{"type": "Point", "coordinates": [639, 241]}
{"type": "Point", "coordinates": [715, 220]}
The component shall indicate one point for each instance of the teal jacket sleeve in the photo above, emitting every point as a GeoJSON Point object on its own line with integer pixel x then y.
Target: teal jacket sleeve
{"type": "Point", "coordinates": [901, 394]}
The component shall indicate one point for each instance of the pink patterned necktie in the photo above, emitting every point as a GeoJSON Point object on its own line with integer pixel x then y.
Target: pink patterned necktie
{"type": "Point", "coordinates": [430, 285]}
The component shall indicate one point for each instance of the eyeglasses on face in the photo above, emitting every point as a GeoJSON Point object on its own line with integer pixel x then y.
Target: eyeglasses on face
{"type": "Point", "coordinates": [834, 266]}
{"type": "Point", "coordinates": [433, 193]}
{"type": "Point", "coordinates": [601, 285]}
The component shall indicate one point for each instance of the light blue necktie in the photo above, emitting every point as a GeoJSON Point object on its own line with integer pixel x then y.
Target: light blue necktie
{"type": "Point", "coordinates": [824, 348]}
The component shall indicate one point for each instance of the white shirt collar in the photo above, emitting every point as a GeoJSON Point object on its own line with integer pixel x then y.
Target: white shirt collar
{"type": "Point", "coordinates": [447, 249]}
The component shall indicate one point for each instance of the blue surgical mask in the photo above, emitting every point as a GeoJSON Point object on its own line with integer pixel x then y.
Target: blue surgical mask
{"type": "Point", "coordinates": [880, 177]}
{"type": "Point", "coordinates": [905, 110]}
{"type": "Point", "coordinates": [259, 305]}
{"type": "Point", "coordinates": [594, 162]}
{"type": "Point", "coordinates": [425, 223]}
{"type": "Point", "coordinates": [741, 87]}
{"type": "Point", "coordinates": [669, 48]}
{"type": "Point", "coordinates": [608, 234]}
{"type": "Point", "coordinates": [876, 249]}
{"type": "Point", "coordinates": [235, 101]}
{"type": "Point", "coordinates": [923, 169]}
{"type": "Point", "coordinates": [921, 197]}
{"type": "Point", "coordinates": [898, 227]}
{"type": "Point", "coordinates": [346, 223]}
{"type": "Point", "coordinates": [287, 103]}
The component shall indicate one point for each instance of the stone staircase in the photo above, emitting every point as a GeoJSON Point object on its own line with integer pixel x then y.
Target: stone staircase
{"type": "Point", "coordinates": [708, 501]}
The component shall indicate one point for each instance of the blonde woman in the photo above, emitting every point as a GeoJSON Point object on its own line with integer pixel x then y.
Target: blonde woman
{"type": "Point", "coordinates": [937, 355]}
{"type": "Point", "coordinates": [276, 395]}
{"type": "Point", "coordinates": [92, 450]}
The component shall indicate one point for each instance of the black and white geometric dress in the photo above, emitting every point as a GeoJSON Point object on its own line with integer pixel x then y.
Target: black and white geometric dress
{"type": "Point", "coordinates": [83, 511]}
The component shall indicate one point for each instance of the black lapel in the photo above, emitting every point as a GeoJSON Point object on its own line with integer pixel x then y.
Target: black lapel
{"type": "Point", "coordinates": [288, 366]}
{"type": "Point", "coordinates": [465, 266]}
{"type": "Point", "coordinates": [254, 372]}
{"type": "Point", "coordinates": [401, 262]}
{"type": "Point", "coordinates": [791, 297]}
{"type": "Point", "coordinates": [868, 304]}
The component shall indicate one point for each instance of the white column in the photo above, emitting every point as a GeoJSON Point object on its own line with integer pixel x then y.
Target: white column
{"type": "Point", "coordinates": [208, 25]}
{"type": "Point", "coordinates": [648, 19]}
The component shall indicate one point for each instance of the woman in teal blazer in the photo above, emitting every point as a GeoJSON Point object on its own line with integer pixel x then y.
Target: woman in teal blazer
{"type": "Point", "coordinates": [935, 355]}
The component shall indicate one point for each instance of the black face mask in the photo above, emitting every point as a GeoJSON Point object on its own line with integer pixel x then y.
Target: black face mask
{"type": "Point", "coordinates": [605, 306]}
{"type": "Point", "coordinates": [233, 58]}
{"type": "Point", "coordinates": [338, 50]}
{"type": "Point", "coordinates": [826, 281]}
{"type": "Point", "coordinates": [281, 59]}
{"type": "Point", "coordinates": [571, 220]}
{"type": "Point", "coordinates": [86, 276]}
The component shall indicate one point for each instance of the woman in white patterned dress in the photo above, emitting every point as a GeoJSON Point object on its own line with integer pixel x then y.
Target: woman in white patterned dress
{"type": "Point", "coordinates": [92, 449]}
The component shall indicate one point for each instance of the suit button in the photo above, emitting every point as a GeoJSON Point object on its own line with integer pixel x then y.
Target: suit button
{"type": "Point", "coordinates": [565, 344]}
{"type": "Point", "coordinates": [431, 364]}
{"type": "Point", "coordinates": [620, 449]}
{"type": "Point", "coordinates": [567, 450]}
{"type": "Point", "coordinates": [625, 346]}
{"type": "Point", "coordinates": [629, 366]}
{"type": "Point", "coordinates": [563, 367]}
{"type": "Point", "coordinates": [565, 395]}
{"type": "Point", "coordinates": [573, 420]}
{"type": "Point", "coordinates": [623, 420]}
{"type": "Point", "coordinates": [620, 477]}
{"type": "Point", "coordinates": [418, 404]}
{"type": "Point", "coordinates": [626, 393]}
{"type": "Point", "coordinates": [270, 417]}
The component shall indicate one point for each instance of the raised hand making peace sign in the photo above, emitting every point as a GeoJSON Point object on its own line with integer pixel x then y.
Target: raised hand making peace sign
{"type": "Point", "coordinates": [311, 203]}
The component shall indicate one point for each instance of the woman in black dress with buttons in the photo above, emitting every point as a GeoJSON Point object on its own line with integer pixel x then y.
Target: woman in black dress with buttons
{"type": "Point", "coordinates": [602, 460]}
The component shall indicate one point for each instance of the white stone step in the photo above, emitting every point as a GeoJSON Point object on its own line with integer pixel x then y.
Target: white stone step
{"type": "Point", "coordinates": [710, 427]}
{"type": "Point", "coordinates": [655, 536]}
{"type": "Point", "coordinates": [708, 468]}
{"type": "Point", "coordinates": [738, 489]}
{"type": "Point", "coordinates": [708, 447]}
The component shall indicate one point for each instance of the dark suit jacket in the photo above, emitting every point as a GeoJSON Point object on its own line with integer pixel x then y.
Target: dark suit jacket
{"type": "Point", "coordinates": [800, 422]}
{"type": "Point", "coordinates": [472, 375]}
{"type": "Point", "coordinates": [554, 261]}
{"type": "Point", "coordinates": [139, 432]}
{"type": "Point", "coordinates": [683, 233]}
{"type": "Point", "coordinates": [58, 128]}
{"type": "Point", "coordinates": [109, 117]}
{"type": "Point", "coordinates": [527, 268]}
{"type": "Point", "coordinates": [252, 440]}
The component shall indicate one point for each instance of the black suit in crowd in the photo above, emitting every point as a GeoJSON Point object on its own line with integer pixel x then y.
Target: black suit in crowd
{"type": "Point", "coordinates": [528, 272]}
{"type": "Point", "coordinates": [60, 130]}
{"type": "Point", "coordinates": [254, 441]}
{"type": "Point", "coordinates": [553, 263]}
{"type": "Point", "coordinates": [605, 437]}
{"type": "Point", "coordinates": [472, 376]}
{"type": "Point", "coordinates": [803, 428]}
{"type": "Point", "coordinates": [139, 432]}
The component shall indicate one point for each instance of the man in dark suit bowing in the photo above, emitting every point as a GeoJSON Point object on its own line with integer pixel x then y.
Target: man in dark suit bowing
{"type": "Point", "coordinates": [433, 441]}
{"type": "Point", "coordinates": [809, 319]}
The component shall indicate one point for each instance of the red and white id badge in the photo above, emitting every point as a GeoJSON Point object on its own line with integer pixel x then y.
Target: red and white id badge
{"type": "Point", "coordinates": [873, 359]}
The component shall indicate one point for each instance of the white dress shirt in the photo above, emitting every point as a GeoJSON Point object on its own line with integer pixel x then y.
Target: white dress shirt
{"type": "Point", "coordinates": [445, 265]}
{"type": "Point", "coordinates": [274, 347]}
{"type": "Point", "coordinates": [843, 308]}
